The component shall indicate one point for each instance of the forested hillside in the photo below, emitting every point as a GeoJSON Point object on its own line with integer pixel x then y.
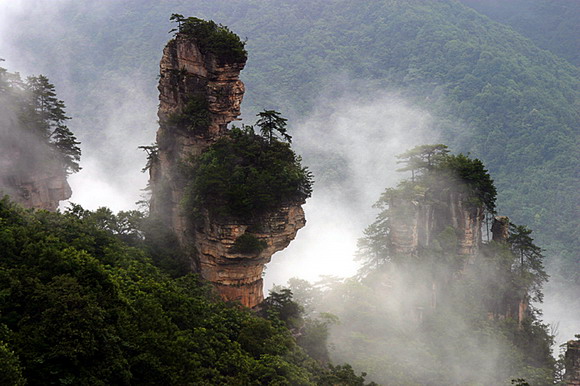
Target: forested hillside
{"type": "Point", "coordinates": [552, 25]}
{"type": "Point", "coordinates": [81, 302]}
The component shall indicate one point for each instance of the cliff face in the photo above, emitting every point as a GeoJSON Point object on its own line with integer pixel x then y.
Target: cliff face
{"type": "Point", "coordinates": [32, 186]}
{"type": "Point", "coordinates": [189, 79]}
{"type": "Point", "coordinates": [186, 73]}
{"type": "Point", "coordinates": [415, 223]}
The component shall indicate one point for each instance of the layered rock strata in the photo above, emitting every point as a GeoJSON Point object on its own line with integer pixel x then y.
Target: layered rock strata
{"type": "Point", "coordinates": [188, 74]}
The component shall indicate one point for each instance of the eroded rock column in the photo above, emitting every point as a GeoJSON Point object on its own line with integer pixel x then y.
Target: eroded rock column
{"type": "Point", "coordinates": [190, 78]}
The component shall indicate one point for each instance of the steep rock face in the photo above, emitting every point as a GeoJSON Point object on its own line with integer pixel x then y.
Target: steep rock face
{"type": "Point", "coordinates": [416, 223]}
{"type": "Point", "coordinates": [572, 362]}
{"type": "Point", "coordinates": [500, 229]}
{"type": "Point", "coordinates": [238, 276]}
{"type": "Point", "coordinates": [32, 186]}
{"type": "Point", "coordinates": [186, 73]}
{"type": "Point", "coordinates": [190, 77]}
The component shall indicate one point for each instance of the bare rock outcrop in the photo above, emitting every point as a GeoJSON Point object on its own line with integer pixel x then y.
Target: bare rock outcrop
{"type": "Point", "coordinates": [500, 229]}
{"type": "Point", "coordinates": [415, 223]}
{"type": "Point", "coordinates": [202, 81]}
{"type": "Point", "coordinates": [32, 186]}
{"type": "Point", "coordinates": [238, 276]}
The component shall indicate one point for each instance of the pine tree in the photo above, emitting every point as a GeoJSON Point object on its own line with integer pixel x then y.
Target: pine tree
{"type": "Point", "coordinates": [45, 115]}
{"type": "Point", "coordinates": [270, 122]}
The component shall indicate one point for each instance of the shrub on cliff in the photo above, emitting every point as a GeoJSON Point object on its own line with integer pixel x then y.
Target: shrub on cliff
{"type": "Point", "coordinates": [433, 168]}
{"type": "Point", "coordinates": [245, 175]}
{"type": "Point", "coordinates": [193, 117]}
{"type": "Point", "coordinates": [248, 243]}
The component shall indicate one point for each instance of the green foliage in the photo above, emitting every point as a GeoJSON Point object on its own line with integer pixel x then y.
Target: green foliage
{"type": "Point", "coordinates": [194, 117]}
{"type": "Point", "coordinates": [422, 158]}
{"type": "Point", "coordinates": [35, 126]}
{"type": "Point", "coordinates": [311, 333]}
{"type": "Point", "coordinates": [434, 169]}
{"type": "Point", "coordinates": [46, 116]}
{"type": "Point", "coordinates": [271, 122]}
{"type": "Point", "coordinates": [280, 305]}
{"type": "Point", "coordinates": [249, 244]}
{"type": "Point", "coordinates": [531, 266]}
{"type": "Point", "coordinates": [344, 375]}
{"type": "Point", "coordinates": [552, 25]}
{"type": "Point", "coordinates": [81, 303]}
{"type": "Point", "coordinates": [244, 175]}
{"type": "Point", "coordinates": [471, 172]}
{"type": "Point", "coordinates": [152, 156]}
{"type": "Point", "coordinates": [212, 38]}
{"type": "Point", "coordinates": [10, 369]}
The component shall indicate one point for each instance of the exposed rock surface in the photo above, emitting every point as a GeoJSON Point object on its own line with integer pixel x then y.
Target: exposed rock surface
{"type": "Point", "coordinates": [572, 362]}
{"type": "Point", "coordinates": [415, 223]}
{"type": "Point", "coordinates": [500, 229]}
{"type": "Point", "coordinates": [188, 73]}
{"type": "Point", "coordinates": [32, 187]}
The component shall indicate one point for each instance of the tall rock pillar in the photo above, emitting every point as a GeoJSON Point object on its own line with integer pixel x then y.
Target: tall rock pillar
{"type": "Point", "coordinates": [200, 94]}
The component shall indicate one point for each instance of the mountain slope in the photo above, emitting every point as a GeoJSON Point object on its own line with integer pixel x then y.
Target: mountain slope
{"type": "Point", "coordinates": [551, 24]}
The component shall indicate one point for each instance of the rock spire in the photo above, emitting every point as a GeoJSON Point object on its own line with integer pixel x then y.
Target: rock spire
{"type": "Point", "coordinates": [201, 84]}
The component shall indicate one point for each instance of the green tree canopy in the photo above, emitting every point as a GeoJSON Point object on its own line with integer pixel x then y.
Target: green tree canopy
{"type": "Point", "coordinates": [42, 115]}
{"type": "Point", "coordinates": [212, 38]}
{"type": "Point", "coordinates": [81, 303]}
{"type": "Point", "coordinates": [422, 158]}
{"type": "Point", "coordinates": [530, 260]}
{"type": "Point", "coordinates": [270, 123]}
{"type": "Point", "coordinates": [245, 175]}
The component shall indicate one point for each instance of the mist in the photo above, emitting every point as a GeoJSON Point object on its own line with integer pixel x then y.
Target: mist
{"type": "Point", "coordinates": [349, 142]}
{"type": "Point", "coordinates": [112, 115]}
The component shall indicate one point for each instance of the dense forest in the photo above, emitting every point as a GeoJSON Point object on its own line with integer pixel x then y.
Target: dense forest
{"type": "Point", "coordinates": [499, 84]}
{"type": "Point", "coordinates": [82, 303]}
{"type": "Point", "coordinates": [552, 25]}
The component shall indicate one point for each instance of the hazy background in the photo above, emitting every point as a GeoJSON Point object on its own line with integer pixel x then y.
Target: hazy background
{"type": "Point", "coordinates": [103, 59]}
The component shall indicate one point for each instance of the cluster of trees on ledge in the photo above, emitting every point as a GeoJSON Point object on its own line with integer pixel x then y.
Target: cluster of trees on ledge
{"type": "Point", "coordinates": [244, 175]}
{"type": "Point", "coordinates": [212, 38]}
{"type": "Point", "coordinates": [34, 123]}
